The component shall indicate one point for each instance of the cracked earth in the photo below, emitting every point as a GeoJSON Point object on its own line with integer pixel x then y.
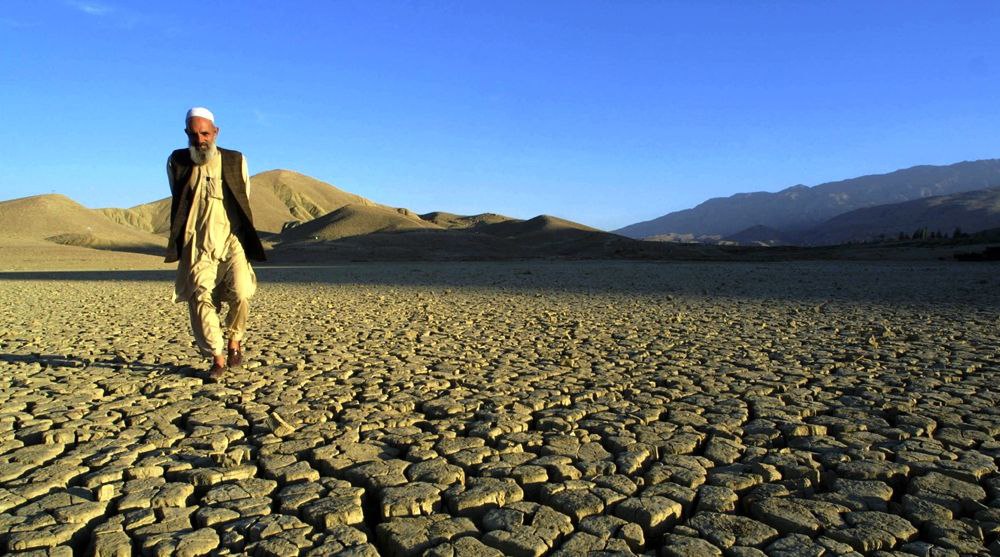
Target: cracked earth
{"type": "Point", "coordinates": [784, 409]}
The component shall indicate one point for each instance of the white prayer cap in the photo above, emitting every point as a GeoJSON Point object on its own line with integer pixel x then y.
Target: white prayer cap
{"type": "Point", "coordinates": [200, 112]}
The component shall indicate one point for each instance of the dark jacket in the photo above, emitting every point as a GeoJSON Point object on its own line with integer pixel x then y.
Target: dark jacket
{"type": "Point", "coordinates": [234, 192]}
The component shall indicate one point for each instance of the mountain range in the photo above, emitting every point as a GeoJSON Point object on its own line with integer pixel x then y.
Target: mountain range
{"type": "Point", "coordinates": [305, 220]}
{"type": "Point", "coordinates": [825, 214]}
{"type": "Point", "coordinates": [968, 212]}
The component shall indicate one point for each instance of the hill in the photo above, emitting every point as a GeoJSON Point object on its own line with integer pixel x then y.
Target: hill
{"type": "Point", "coordinates": [58, 219]}
{"type": "Point", "coordinates": [801, 208]}
{"type": "Point", "coordinates": [277, 198]}
{"type": "Point", "coordinates": [540, 226]}
{"type": "Point", "coordinates": [354, 220]}
{"type": "Point", "coordinates": [453, 221]}
{"type": "Point", "coordinates": [54, 232]}
{"type": "Point", "coordinates": [151, 217]}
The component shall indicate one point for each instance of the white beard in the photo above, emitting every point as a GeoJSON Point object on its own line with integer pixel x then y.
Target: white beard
{"type": "Point", "coordinates": [200, 157]}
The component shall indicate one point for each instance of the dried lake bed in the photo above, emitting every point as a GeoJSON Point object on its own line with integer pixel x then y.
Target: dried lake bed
{"type": "Point", "coordinates": [527, 408]}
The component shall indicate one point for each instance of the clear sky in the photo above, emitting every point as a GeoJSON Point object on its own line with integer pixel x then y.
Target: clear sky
{"type": "Point", "coordinates": [602, 112]}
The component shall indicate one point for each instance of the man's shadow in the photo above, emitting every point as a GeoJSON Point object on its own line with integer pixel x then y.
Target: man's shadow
{"type": "Point", "coordinates": [116, 362]}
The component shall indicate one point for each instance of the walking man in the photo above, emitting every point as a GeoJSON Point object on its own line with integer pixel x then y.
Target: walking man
{"type": "Point", "coordinates": [212, 237]}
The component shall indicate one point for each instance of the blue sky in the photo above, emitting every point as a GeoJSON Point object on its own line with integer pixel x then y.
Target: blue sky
{"type": "Point", "coordinates": [602, 112]}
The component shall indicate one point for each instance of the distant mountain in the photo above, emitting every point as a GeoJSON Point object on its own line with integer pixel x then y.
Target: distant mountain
{"type": "Point", "coordinates": [760, 236]}
{"type": "Point", "coordinates": [542, 225]}
{"type": "Point", "coordinates": [686, 238]}
{"type": "Point", "coordinates": [277, 198]}
{"type": "Point", "coordinates": [556, 236]}
{"type": "Point", "coordinates": [801, 208]}
{"type": "Point", "coordinates": [453, 221]}
{"type": "Point", "coordinates": [382, 234]}
{"type": "Point", "coordinates": [971, 212]}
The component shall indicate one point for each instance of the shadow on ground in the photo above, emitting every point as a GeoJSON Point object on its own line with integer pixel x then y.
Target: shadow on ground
{"type": "Point", "coordinates": [796, 281]}
{"type": "Point", "coordinates": [114, 362]}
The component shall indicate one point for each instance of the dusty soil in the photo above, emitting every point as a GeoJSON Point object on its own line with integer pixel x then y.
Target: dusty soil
{"type": "Point", "coordinates": [804, 408]}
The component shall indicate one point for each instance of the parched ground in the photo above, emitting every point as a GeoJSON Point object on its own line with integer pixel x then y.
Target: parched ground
{"type": "Point", "coordinates": [787, 409]}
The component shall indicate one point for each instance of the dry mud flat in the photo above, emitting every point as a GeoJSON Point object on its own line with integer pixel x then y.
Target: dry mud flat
{"type": "Point", "coordinates": [521, 409]}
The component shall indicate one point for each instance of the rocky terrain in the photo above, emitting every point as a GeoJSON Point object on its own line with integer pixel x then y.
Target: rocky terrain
{"type": "Point", "coordinates": [739, 409]}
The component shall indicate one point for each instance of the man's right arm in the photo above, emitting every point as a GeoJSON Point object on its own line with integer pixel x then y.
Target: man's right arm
{"type": "Point", "coordinates": [170, 175]}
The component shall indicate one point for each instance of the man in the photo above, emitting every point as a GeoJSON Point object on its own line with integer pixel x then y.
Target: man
{"type": "Point", "coordinates": [212, 236]}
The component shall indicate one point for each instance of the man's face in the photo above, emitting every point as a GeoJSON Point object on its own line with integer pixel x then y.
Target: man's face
{"type": "Point", "coordinates": [201, 133]}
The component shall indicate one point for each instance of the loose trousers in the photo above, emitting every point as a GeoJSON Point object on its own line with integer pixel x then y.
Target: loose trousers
{"type": "Point", "coordinates": [212, 282]}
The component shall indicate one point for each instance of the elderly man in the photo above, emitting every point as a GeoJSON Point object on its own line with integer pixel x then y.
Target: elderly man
{"type": "Point", "coordinates": [212, 236]}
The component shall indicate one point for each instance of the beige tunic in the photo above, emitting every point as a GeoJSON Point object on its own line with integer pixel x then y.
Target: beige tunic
{"type": "Point", "coordinates": [210, 236]}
